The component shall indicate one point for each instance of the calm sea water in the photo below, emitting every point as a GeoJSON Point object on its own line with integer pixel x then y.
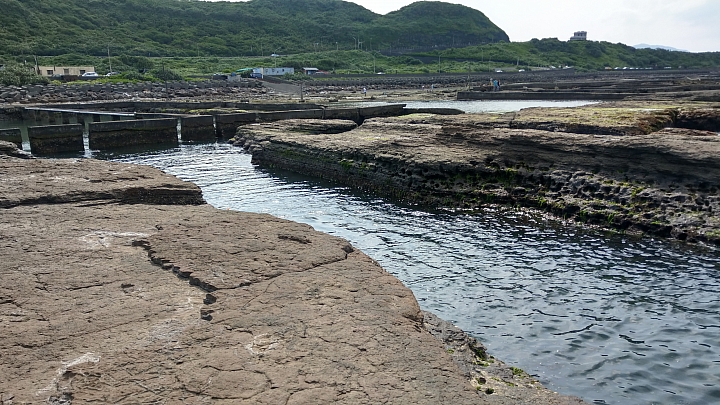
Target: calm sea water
{"type": "Point", "coordinates": [611, 319]}
{"type": "Point", "coordinates": [484, 106]}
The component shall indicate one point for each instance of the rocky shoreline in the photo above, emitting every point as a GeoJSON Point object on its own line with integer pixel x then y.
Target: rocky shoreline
{"type": "Point", "coordinates": [91, 91]}
{"type": "Point", "coordinates": [634, 167]}
{"type": "Point", "coordinates": [123, 286]}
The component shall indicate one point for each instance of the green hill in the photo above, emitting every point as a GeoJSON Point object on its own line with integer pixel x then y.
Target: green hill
{"type": "Point", "coordinates": [257, 27]}
{"type": "Point", "coordinates": [431, 36]}
{"type": "Point", "coordinates": [584, 55]}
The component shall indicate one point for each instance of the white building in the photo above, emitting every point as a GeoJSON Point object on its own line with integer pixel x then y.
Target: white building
{"type": "Point", "coordinates": [272, 71]}
{"type": "Point", "coordinates": [48, 71]}
{"type": "Point", "coordinates": [579, 36]}
{"type": "Point", "coordinates": [278, 71]}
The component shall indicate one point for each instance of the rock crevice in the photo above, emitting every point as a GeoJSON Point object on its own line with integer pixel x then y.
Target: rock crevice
{"type": "Point", "coordinates": [294, 316]}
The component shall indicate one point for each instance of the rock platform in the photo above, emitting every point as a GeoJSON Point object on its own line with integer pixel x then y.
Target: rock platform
{"type": "Point", "coordinates": [122, 286]}
{"type": "Point", "coordinates": [642, 168]}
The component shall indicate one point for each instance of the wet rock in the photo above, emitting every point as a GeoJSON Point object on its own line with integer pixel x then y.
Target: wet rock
{"type": "Point", "coordinates": [628, 183]}
{"type": "Point", "coordinates": [10, 149]}
{"type": "Point", "coordinates": [267, 311]}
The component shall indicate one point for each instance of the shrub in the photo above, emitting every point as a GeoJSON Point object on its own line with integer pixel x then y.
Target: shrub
{"type": "Point", "coordinates": [19, 75]}
{"type": "Point", "coordinates": [166, 74]}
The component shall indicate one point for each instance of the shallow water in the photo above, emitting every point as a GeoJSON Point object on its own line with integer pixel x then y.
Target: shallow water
{"type": "Point", "coordinates": [604, 317]}
{"type": "Point", "coordinates": [491, 106]}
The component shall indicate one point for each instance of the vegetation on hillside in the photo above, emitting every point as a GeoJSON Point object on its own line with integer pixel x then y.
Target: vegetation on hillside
{"type": "Point", "coordinates": [253, 28]}
{"type": "Point", "coordinates": [583, 55]}
{"type": "Point", "coordinates": [170, 39]}
{"type": "Point", "coordinates": [18, 75]}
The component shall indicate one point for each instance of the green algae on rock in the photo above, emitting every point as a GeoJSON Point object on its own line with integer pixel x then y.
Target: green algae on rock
{"type": "Point", "coordinates": [662, 183]}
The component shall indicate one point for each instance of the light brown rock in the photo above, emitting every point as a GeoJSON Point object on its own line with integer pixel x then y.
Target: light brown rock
{"type": "Point", "coordinates": [296, 316]}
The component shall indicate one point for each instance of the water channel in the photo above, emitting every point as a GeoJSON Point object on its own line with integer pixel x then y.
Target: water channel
{"type": "Point", "coordinates": [611, 319]}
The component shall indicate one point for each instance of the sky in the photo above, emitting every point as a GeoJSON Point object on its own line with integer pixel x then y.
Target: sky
{"type": "Point", "coordinates": [690, 25]}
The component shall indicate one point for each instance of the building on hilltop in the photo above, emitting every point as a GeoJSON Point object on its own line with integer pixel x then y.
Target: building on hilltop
{"type": "Point", "coordinates": [579, 36]}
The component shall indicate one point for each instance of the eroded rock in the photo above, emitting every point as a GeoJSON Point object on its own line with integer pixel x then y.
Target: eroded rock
{"type": "Point", "coordinates": [113, 299]}
{"type": "Point", "coordinates": [628, 183]}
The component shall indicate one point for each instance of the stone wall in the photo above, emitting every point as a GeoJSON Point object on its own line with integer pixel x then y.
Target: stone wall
{"type": "Point", "coordinates": [112, 91]}
{"type": "Point", "coordinates": [116, 134]}
{"type": "Point", "coordinates": [197, 128]}
{"type": "Point", "coordinates": [53, 139]}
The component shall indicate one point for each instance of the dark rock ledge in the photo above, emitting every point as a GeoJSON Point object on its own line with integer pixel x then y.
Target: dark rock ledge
{"type": "Point", "coordinates": [259, 310]}
{"type": "Point", "coordinates": [611, 166]}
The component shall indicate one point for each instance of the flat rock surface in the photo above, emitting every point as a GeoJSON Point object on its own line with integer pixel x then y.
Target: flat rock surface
{"type": "Point", "coordinates": [120, 286]}
{"type": "Point", "coordinates": [648, 180]}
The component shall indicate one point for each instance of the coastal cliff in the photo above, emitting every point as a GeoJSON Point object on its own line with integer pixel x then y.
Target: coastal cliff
{"type": "Point", "coordinates": [617, 166]}
{"type": "Point", "coordinates": [123, 286]}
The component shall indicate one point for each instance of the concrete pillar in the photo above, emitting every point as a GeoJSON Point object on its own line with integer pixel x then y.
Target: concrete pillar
{"type": "Point", "coordinates": [197, 129]}
{"type": "Point", "coordinates": [117, 134]}
{"type": "Point", "coordinates": [227, 124]}
{"type": "Point", "coordinates": [55, 139]}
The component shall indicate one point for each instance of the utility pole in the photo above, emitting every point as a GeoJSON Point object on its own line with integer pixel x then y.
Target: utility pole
{"type": "Point", "coordinates": [109, 61]}
{"type": "Point", "coordinates": [167, 95]}
{"type": "Point", "coordinates": [468, 78]}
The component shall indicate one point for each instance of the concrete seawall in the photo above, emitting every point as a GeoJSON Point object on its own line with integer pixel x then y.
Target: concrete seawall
{"type": "Point", "coordinates": [52, 139]}
{"type": "Point", "coordinates": [226, 124]}
{"type": "Point", "coordinates": [289, 115]}
{"type": "Point", "coordinates": [109, 135]}
{"type": "Point", "coordinates": [161, 128]}
{"type": "Point", "coordinates": [197, 129]}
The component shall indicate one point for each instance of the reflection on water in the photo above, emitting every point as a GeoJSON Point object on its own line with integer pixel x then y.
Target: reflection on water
{"type": "Point", "coordinates": [607, 318]}
{"type": "Point", "coordinates": [475, 106]}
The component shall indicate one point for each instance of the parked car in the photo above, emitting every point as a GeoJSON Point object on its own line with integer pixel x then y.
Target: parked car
{"type": "Point", "coordinates": [90, 74]}
{"type": "Point", "coordinates": [112, 74]}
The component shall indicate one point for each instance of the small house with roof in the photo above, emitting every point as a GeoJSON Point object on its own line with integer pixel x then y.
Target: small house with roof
{"type": "Point", "coordinates": [579, 36]}
{"type": "Point", "coordinates": [49, 71]}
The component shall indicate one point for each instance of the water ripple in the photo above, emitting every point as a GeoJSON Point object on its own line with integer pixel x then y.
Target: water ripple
{"type": "Point", "coordinates": [526, 286]}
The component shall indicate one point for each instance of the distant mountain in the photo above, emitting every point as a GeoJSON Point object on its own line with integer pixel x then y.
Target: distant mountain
{"type": "Point", "coordinates": [434, 23]}
{"type": "Point", "coordinates": [256, 27]}
{"type": "Point", "coordinates": [667, 48]}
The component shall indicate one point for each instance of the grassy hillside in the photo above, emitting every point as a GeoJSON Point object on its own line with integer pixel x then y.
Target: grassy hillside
{"type": "Point", "coordinates": [257, 27]}
{"type": "Point", "coordinates": [194, 37]}
{"type": "Point", "coordinates": [584, 55]}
